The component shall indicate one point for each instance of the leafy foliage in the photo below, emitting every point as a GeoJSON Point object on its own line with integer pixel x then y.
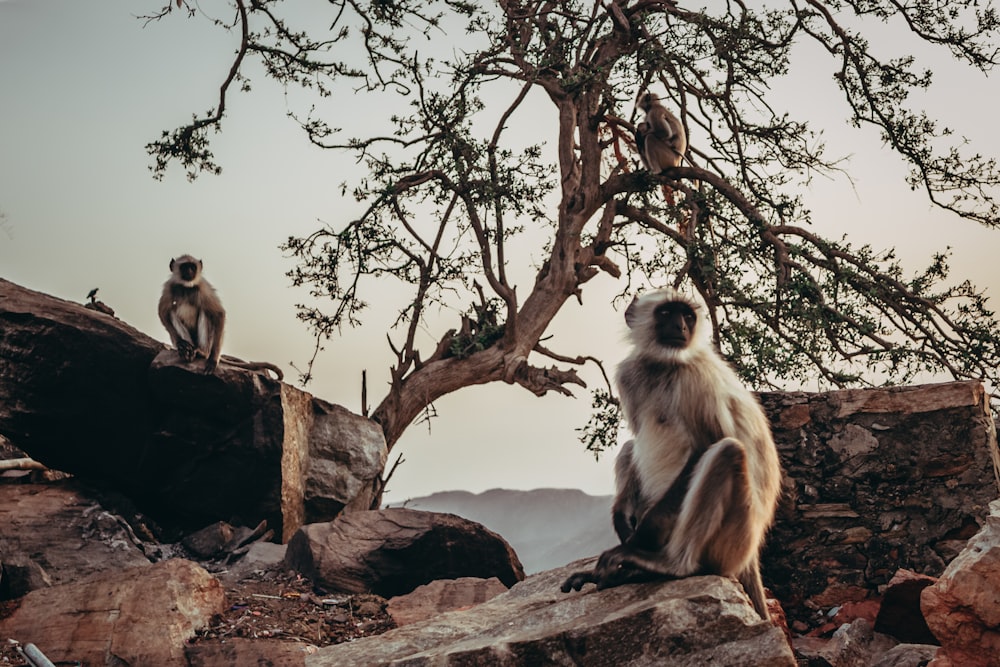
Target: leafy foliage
{"type": "Point", "coordinates": [451, 189]}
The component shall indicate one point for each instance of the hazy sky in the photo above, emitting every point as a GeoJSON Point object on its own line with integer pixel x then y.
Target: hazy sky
{"type": "Point", "coordinates": [84, 87]}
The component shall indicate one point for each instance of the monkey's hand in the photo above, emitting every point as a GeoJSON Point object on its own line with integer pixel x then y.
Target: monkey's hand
{"type": "Point", "coordinates": [210, 366]}
{"type": "Point", "coordinates": [577, 580]}
{"type": "Point", "coordinates": [186, 351]}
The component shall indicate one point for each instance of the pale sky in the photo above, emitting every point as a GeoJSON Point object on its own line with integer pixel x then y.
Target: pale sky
{"type": "Point", "coordinates": [84, 87]}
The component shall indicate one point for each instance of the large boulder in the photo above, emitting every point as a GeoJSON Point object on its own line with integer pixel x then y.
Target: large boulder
{"type": "Point", "coordinates": [392, 551]}
{"type": "Point", "coordinates": [85, 393]}
{"type": "Point", "coordinates": [694, 621]}
{"type": "Point", "coordinates": [963, 608]}
{"type": "Point", "coordinates": [250, 448]}
{"type": "Point", "coordinates": [140, 616]}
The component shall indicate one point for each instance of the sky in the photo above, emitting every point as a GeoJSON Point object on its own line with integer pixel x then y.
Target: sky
{"type": "Point", "coordinates": [85, 86]}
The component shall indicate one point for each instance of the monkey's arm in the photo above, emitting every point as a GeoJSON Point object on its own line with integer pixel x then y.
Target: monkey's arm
{"type": "Point", "coordinates": [659, 123]}
{"type": "Point", "coordinates": [181, 338]}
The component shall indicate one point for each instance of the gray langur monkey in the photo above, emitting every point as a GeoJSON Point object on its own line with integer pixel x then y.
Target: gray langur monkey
{"type": "Point", "coordinates": [660, 137]}
{"type": "Point", "coordinates": [193, 316]}
{"type": "Point", "coordinates": [698, 484]}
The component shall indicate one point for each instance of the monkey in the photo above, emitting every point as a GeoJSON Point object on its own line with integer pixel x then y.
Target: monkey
{"type": "Point", "coordinates": [660, 137]}
{"type": "Point", "coordinates": [193, 316]}
{"type": "Point", "coordinates": [697, 486]}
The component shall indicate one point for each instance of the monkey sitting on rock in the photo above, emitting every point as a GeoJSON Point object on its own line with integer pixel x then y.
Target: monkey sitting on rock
{"type": "Point", "coordinates": [193, 315]}
{"type": "Point", "coordinates": [698, 485]}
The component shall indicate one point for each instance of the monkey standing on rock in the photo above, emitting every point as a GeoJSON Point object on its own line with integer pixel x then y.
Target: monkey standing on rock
{"type": "Point", "coordinates": [698, 485]}
{"type": "Point", "coordinates": [194, 317]}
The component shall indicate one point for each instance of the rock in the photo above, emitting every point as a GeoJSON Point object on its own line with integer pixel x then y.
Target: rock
{"type": "Point", "coordinates": [239, 651]}
{"type": "Point", "coordinates": [392, 551]}
{"type": "Point", "coordinates": [854, 644]}
{"type": "Point", "coordinates": [71, 381]}
{"type": "Point", "coordinates": [86, 394]}
{"type": "Point", "coordinates": [443, 595]}
{"type": "Point", "coordinates": [19, 575]}
{"type": "Point", "coordinates": [344, 454]}
{"type": "Point", "coordinates": [907, 655]}
{"type": "Point", "coordinates": [845, 614]}
{"type": "Point", "coordinates": [252, 449]}
{"type": "Point", "coordinates": [963, 608]}
{"type": "Point", "coordinates": [525, 519]}
{"type": "Point", "coordinates": [900, 615]}
{"type": "Point", "coordinates": [260, 556]}
{"type": "Point", "coordinates": [877, 480]}
{"type": "Point", "coordinates": [140, 616]}
{"type": "Point", "coordinates": [210, 540]}
{"type": "Point", "coordinates": [57, 533]}
{"type": "Point", "coordinates": [694, 621]}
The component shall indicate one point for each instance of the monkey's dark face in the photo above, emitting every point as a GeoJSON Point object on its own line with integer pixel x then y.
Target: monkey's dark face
{"type": "Point", "coordinates": [674, 322]}
{"type": "Point", "coordinates": [187, 271]}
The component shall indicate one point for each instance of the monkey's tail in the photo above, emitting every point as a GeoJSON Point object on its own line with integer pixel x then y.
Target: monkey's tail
{"type": "Point", "coordinates": [258, 366]}
{"type": "Point", "coordinates": [754, 587]}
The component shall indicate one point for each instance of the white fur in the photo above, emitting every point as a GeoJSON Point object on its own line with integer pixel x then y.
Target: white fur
{"type": "Point", "coordinates": [666, 420]}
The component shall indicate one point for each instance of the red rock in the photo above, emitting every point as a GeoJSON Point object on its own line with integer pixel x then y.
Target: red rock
{"type": "Point", "coordinates": [963, 608]}
{"type": "Point", "coordinates": [140, 616]}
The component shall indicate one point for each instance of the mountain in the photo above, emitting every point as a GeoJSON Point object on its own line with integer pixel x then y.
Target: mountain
{"type": "Point", "coordinates": [546, 527]}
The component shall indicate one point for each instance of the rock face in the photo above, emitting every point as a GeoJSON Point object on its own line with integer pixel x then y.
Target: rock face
{"type": "Point", "coordinates": [963, 607]}
{"type": "Point", "coordinates": [85, 393]}
{"type": "Point", "coordinates": [877, 480]}
{"type": "Point", "coordinates": [53, 534]}
{"type": "Point", "coordinates": [140, 616]}
{"type": "Point", "coordinates": [696, 621]}
{"type": "Point", "coordinates": [390, 552]}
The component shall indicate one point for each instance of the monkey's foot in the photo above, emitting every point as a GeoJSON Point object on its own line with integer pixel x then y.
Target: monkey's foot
{"type": "Point", "coordinates": [186, 351]}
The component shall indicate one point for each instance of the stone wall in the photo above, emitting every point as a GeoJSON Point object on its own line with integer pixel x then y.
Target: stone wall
{"type": "Point", "coordinates": [876, 480]}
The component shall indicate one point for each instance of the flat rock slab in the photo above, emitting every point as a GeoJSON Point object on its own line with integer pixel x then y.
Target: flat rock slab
{"type": "Point", "coordinates": [239, 651]}
{"type": "Point", "coordinates": [443, 595]}
{"type": "Point", "coordinates": [141, 616]}
{"type": "Point", "coordinates": [695, 622]}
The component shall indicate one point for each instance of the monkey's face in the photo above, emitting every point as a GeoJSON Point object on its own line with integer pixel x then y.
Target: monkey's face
{"type": "Point", "coordinates": [674, 323]}
{"type": "Point", "coordinates": [666, 325]}
{"type": "Point", "coordinates": [187, 271]}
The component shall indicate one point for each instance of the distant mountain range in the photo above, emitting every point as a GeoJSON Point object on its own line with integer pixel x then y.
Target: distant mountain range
{"type": "Point", "coordinates": [546, 527]}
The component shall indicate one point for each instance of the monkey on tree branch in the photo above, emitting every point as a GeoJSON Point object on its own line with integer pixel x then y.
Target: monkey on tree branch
{"type": "Point", "coordinates": [500, 121]}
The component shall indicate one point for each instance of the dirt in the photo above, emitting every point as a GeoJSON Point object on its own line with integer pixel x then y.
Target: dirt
{"type": "Point", "coordinates": [279, 604]}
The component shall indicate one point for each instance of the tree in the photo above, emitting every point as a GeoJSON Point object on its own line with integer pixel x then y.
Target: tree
{"type": "Point", "coordinates": [449, 189]}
